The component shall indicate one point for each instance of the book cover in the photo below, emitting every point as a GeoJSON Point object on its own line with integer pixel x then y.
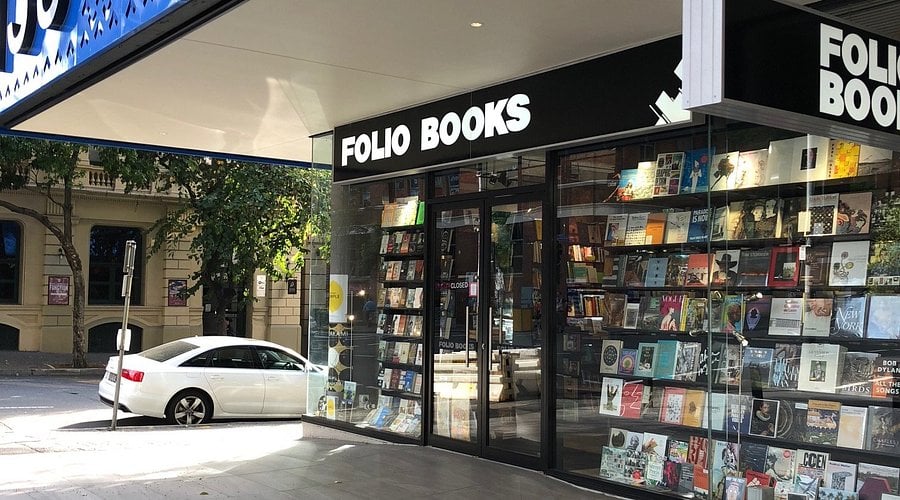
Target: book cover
{"type": "Point", "coordinates": [636, 231]}
{"type": "Point", "coordinates": [687, 361]}
{"type": "Point", "coordinates": [618, 437]}
{"type": "Point", "coordinates": [698, 230]}
{"type": "Point", "coordinates": [677, 269]}
{"type": "Point", "coordinates": [757, 316]}
{"type": "Point", "coordinates": [849, 261]}
{"type": "Point", "coordinates": [698, 447]}
{"type": "Point", "coordinates": [832, 493]}
{"type": "Point", "coordinates": [884, 264]}
{"type": "Point", "coordinates": [886, 377]}
{"type": "Point", "coordinates": [656, 228]}
{"type": "Point", "coordinates": [695, 319]}
{"type": "Point", "coordinates": [753, 457]}
{"type": "Point", "coordinates": [848, 319]}
{"type": "Point", "coordinates": [725, 265]}
{"type": "Point", "coordinates": [628, 178]}
{"type": "Point", "coordinates": [612, 462]}
{"type": "Point", "coordinates": [718, 407]}
{"type": "Point", "coordinates": [866, 472]}
{"type": "Point", "coordinates": [632, 399]}
{"type": "Point", "coordinates": [843, 159]}
{"type": "Point", "coordinates": [657, 267]}
{"type": "Point", "coordinates": [816, 266]}
{"type": "Point", "coordinates": [652, 404]}
{"type": "Point", "coordinates": [635, 462]}
{"type": "Point", "coordinates": [609, 356]}
{"type": "Point", "coordinates": [654, 470]}
{"type": "Point", "coordinates": [737, 415]}
{"type": "Point", "coordinates": [735, 488]}
{"type": "Point", "coordinates": [852, 428]}
{"type": "Point", "coordinates": [796, 424]}
{"type": "Point", "coordinates": [672, 405]}
{"type": "Point", "coordinates": [677, 224]}
{"type": "Point", "coordinates": [859, 371]}
{"type": "Point", "coordinates": [733, 314]}
{"type": "Point", "coordinates": [611, 397]}
{"type": "Point", "coordinates": [810, 159]}
{"type": "Point", "coordinates": [726, 457]}
{"type": "Point", "coordinates": [757, 480]}
{"type": "Point", "coordinates": [785, 366]}
{"type": "Point", "coordinates": [750, 170]}
{"type": "Point", "coordinates": [678, 451]}
{"type": "Point", "coordinates": [632, 315]}
{"type": "Point", "coordinates": [616, 225]}
{"type": "Point", "coordinates": [757, 366]}
{"type": "Point", "coordinates": [820, 367]}
{"type": "Point", "coordinates": [695, 175]}
{"type": "Point", "coordinates": [718, 223]}
{"type": "Point", "coordinates": [612, 309]}
{"type": "Point", "coordinates": [794, 220]}
{"type": "Point", "coordinates": [753, 267]}
{"type": "Point", "coordinates": [644, 180]}
{"type": "Point", "coordinates": [634, 269]}
{"type": "Point", "coordinates": [645, 359]}
{"type": "Point", "coordinates": [817, 317]}
{"type": "Point", "coordinates": [655, 444]}
{"type": "Point", "coordinates": [670, 311]}
{"type": "Point", "coordinates": [881, 322]}
{"type": "Point", "coordinates": [883, 434]}
{"type": "Point", "coordinates": [780, 467]}
{"type": "Point", "coordinates": [649, 312]}
{"type": "Point", "coordinates": [764, 417]}
{"type": "Point", "coordinates": [854, 212]}
{"type": "Point", "coordinates": [821, 214]}
{"type": "Point", "coordinates": [809, 472]}
{"type": "Point", "coordinates": [822, 421]}
{"type": "Point", "coordinates": [839, 476]}
{"type": "Point", "coordinates": [668, 173]}
{"type": "Point", "coordinates": [786, 316]}
{"type": "Point", "coordinates": [627, 361]}
{"type": "Point", "coordinates": [666, 354]}
{"type": "Point", "coordinates": [697, 273]}
{"type": "Point", "coordinates": [784, 269]}
{"type": "Point", "coordinates": [722, 168]}
{"type": "Point", "coordinates": [685, 479]}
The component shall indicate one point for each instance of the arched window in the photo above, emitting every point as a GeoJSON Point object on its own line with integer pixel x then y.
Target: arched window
{"type": "Point", "coordinates": [107, 258]}
{"type": "Point", "coordinates": [10, 261]}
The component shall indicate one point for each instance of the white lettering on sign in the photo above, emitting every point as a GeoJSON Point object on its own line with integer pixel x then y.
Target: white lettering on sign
{"type": "Point", "coordinates": [871, 91]}
{"type": "Point", "coordinates": [492, 119]}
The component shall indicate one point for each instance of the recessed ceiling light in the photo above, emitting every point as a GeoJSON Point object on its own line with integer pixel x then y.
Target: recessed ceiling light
{"type": "Point", "coordinates": [476, 24]}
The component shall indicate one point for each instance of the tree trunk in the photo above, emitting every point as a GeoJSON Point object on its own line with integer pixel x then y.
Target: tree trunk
{"type": "Point", "coordinates": [79, 336]}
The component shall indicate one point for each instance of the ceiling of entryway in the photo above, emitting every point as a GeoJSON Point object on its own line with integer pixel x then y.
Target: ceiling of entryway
{"type": "Point", "coordinates": [261, 79]}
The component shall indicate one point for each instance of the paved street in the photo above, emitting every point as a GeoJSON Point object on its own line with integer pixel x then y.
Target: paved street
{"type": "Point", "coordinates": [51, 449]}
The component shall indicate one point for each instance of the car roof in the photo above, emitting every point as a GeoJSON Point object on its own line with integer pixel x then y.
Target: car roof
{"type": "Point", "coordinates": [207, 341]}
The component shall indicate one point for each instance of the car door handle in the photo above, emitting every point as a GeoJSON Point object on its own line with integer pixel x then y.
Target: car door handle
{"type": "Point", "coordinates": [216, 377]}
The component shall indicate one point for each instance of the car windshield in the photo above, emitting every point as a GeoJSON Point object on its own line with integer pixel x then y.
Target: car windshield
{"type": "Point", "coordinates": [168, 351]}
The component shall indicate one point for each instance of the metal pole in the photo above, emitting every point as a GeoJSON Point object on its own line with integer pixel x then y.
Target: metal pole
{"type": "Point", "coordinates": [127, 269]}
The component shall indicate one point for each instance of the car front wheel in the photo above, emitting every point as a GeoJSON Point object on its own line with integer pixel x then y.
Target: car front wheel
{"type": "Point", "coordinates": [189, 408]}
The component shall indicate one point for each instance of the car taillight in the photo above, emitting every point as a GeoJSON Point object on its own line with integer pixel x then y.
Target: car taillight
{"type": "Point", "coordinates": [132, 375]}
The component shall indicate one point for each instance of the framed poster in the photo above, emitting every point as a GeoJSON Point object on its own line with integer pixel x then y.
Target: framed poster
{"type": "Point", "coordinates": [175, 287]}
{"type": "Point", "coordinates": [58, 291]}
{"type": "Point", "coordinates": [292, 286]}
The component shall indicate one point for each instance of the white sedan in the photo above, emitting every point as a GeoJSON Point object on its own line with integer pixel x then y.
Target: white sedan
{"type": "Point", "coordinates": [193, 380]}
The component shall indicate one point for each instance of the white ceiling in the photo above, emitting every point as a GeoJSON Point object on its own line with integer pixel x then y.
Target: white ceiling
{"type": "Point", "coordinates": [261, 79]}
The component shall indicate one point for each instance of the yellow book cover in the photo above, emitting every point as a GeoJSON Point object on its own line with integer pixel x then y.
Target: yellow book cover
{"type": "Point", "coordinates": [843, 160]}
{"type": "Point", "coordinates": [694, 404]}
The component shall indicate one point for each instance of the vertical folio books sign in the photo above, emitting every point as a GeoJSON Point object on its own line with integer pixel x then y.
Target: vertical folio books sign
{"type": "Point", "coordinates": [791, 67]}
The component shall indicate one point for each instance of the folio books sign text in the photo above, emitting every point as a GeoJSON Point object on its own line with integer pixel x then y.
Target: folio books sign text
{"type": "Point", "coordinates": [496, 118]}
{"type": "Point", "coordinates": [858, 77]}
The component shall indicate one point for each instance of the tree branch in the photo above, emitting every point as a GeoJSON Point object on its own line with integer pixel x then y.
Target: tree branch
{"type": "Point", "coordinates": [43, 219]}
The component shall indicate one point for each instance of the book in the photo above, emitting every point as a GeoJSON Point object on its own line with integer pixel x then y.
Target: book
{"type": "Point", "coordinates": [646, 357]}
{"type": "Point", "coordinates": [644, 180]}
{"type": "Point", "coordinates": [666, 355]}
{"type": "Point", "coordinates": [654, 470]}
{"type": "Point", "coordinates": [612, 309]}
{"type": "Point", "coordinates": [780, 467]}
{"type": "Point", "coordinates": [852, 428]}
{"type": "Point", "coordinates": [884, 264]}
{"type": "Point", "coordinates": [677, 225]}
{"type": "Point", "coordinates": [821, 215]}
{"type": "Point", "coordinates": [816, 265]}
{"type": "Point", "coordinates": [822, 421]}
{"type": "Point", "coordinates": [670, 310]}
{"type": "Point", "coordinates": [655, 444]}
{"type": "Point", "coordinates": [636, 231]}
{"type": "Point", "coordinates": [843, 159]}
{"type": "Point", "coordinates": [627, 361]}
{"type": "Point", "coordinates": [698, 230]}
{"type": "Point", "coordinates": [737, 415]}
{"type": "Point", "coordinates": [810, 159]}
{"type": "Point", "coordinates": [726, 457]}
{"type": "Point", "coordinates": [858, 373]}
{"type": "Point", "coordinates": [757, 316]}
{"type": "Point", "coordinates": [668, 173]}
{"type": "Point", "coordinates": [657, 267]}
{"type": "Point", "coordinates": [750, 170]}
{"type": "Point", "coordinates": [849, 261]}
{"type": "Point", "coordinates": [656, 228]}
{"type": "Point", "coordinates": [881, 323]}
{"type": "Point", "coordinates": [649, 312]}
{"type": "Point", "coordinates": [840, 476]}
{"type": "Point", "coordinates": [611, 396]}
{"type": "Point", "coordinates": [616, 225]}
{"type": "Point", "coordinates": [854, 213]}
{"type": "Point", "coordinates": [609, 356]}
{"type": "Point", "coordinates": [885, 474]}
{"type": "Point", "coordinates": [672, 405]}
{"type": "Point", "coordinates": [678, 450]}
{"type": "Point", "coordinates": [717, 407]}
{"type": "Point", "coordinates": [809, 472]}
{"type": "Point", "coordinates": [785, 366]}
{"type": "Point", "coordinates": [695, 319]}
{"type": "Point", "coordinates": [677, 269]}
{"type": "Point", "coordinates": [695, 175]}
{"type": "Point", "coordinates": [848, 318]}
{"type": "Point", "coordinates": [786, 316]}
{"type": "Point", "coordinates": [753, 267]}
{"type": "Point", "coordinates": [735, 488]}
{"type": "Point", "coordinates": [733, 314]}
{"type": "Point", "coordinates": [697, 273]}
{"type": "Point", "coordinates": [817, 317]}
{"type": "Point", "coordinates": [753, 457]}
{"type": "Point", "coordinates": [820, 367]}
{"type": "Point", "coordinates": [698, 447]}
{"type": "Point", "coordinates": [632, 399]}
{"type": "Point", "coordinates": [757, 366]}
{"type": "Point", "coordinates": [886, 377]}
{"type": "Point", "coordinates": [612, 462]}
{"type": "Point", "coordinates": [687, 361]}
{"type": "Point", "coordinates": [628, 178]}
{"type": "Point", "coordinates": [632, 314]}
{"type": "Point", "coordinates": [784, 268]}
{"type": "Point", "coordinates": [634, 269]}
{"type": "Point", "coordinates": [883, 434]}
{"type": "Point", "coordinates": [725, 263]}
{"type": "Point", "coordinates": [721, 169]}
{"type": "Point", "coordinates": [764, 417]}
{"type": "Point", "coordinates": [718, 222]}
{"type": "Point", "coordinates": [652, 405]}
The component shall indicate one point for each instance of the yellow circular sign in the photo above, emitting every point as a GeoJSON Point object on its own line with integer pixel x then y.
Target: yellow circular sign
{"type": "Point", "coordinates": [336, 294]}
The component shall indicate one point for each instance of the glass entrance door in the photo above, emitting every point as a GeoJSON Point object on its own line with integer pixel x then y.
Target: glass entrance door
{"type": "Point", "coordinates": [486, 328]}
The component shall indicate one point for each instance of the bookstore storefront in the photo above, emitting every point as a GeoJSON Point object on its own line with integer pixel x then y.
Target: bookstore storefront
{"type": "Point", "coordinates": [570, 272]}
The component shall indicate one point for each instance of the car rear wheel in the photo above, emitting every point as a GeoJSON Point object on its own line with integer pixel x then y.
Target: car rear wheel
{"type": "Point", "coordinates": [190, 407]}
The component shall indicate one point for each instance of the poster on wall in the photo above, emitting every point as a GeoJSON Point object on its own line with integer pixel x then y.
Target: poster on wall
{"type": "Point", "coordinates": [58, 291]}
{"type": "Point", "coordinates": [337, 298]}
{"type": "Point", "coordinates": [260, 285]}
{"type": "Point", "coordinates": [174, 293]}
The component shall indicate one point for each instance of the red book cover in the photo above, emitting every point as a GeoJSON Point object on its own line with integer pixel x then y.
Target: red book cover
{"type": "Point", "coordinates": [755, 478]}
{"type": "Point", "coordinates": [697, 273]}
{"type": "Point", "coordinates": [784, 269]}
{"type": "Point", "coordinates": [632, 396]}
{"type": "Point", "coordinates": [697, 447]}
